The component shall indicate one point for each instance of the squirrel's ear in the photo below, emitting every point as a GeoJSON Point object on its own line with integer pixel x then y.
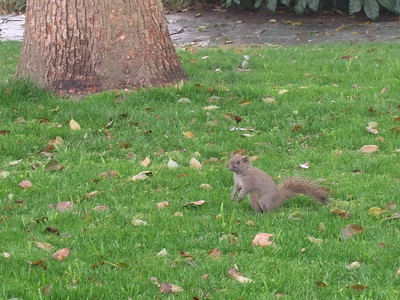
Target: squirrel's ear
{"type": "Point", "coordinates": [245, 159]}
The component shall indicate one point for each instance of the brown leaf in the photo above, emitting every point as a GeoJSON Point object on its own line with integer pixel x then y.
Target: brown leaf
{"type": "Point", "coordinates": [45, 291]}
{"type": "Point", "coordinates": [353, 265]}
{"type": "Point", "coordinates": [25, 184]}
{"type": "Point", "coordinates": [63, 206]}
{"type": "Point", "coordinates": [62, 254]}
{"type": "Point", "coordinates": [194, 203]}
{"type": "Point", "coordinates": [215, 253]}
{"type": "Point", "coordinates": [185, 254]}
{"type": "Point", "coordinates": [92, 194]}
{"type": "Point", "coordinates": [342, 213]}
{"type": "Point", "coordinates": [146, 162]}
{"type": "Point", "coordinates": [395, 129]}
{"type": "Point", "coordinates": [169, 288]}
{"type": "Point", "coordinates": [368, 149]}
{"type": "Point", "coordinates": [188, 134]}
{"type": "Point", "coordinates": [58, 141]}
{"type": "Point", "coordinates": [52, 230]}
{"type": "Point", "coordinates": [245, 102]}
{"type": "Point", "coordinates": [358, 287]}
{"type": "Point", "coordinates": [195, 164]}
{"type": "Point", "coordinates": [321, 284]}
{"type": "Point", "coordinates": [384, 90]}
{"type": "Point", "coordinates": [53, 166]}
{"type": "Point", "coordinates": [263, 239]}
{"type": "Point", "coordinates": [74, 125]}
{"type": "Point", "coordinates": [352, 229]}
{"type": "Point", "coordinates": [141, 176]}
{"type": "Point", "coordinates": [100, 207]}
{"type": "Point", "coordinates": [315, 240]}
{"type": "Point", "coordinates": [4, 132]}
{"type": "Point", "coordinates": [39, 263]}
{"type": "Point", "coordinates": [108, 174]}
{"type": "Point", "coordinates": [205, 186]}
{"type": "Point", "coordinates": [390, 206]}
{"type": "Point", "coordinates": [163, 204]}
{"type": "Point", "coordinates": [234, 273]}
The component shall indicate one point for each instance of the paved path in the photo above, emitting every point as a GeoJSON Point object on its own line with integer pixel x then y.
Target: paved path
{"type": "Point", "coordinates": [244, 28]}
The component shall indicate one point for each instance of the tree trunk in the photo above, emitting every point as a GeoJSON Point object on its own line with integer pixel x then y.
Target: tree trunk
{"type": "Point", "coordinates": [86, 46]}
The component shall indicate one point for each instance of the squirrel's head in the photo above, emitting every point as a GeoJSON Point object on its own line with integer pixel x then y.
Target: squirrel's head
{"type": "Point", "coordinates": [238, 163]}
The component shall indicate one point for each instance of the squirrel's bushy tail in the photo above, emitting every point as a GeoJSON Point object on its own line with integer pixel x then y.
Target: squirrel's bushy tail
{"type": "Point", "coordinates": [294, 185]}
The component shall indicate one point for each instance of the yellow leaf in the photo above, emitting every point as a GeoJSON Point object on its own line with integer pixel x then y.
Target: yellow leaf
{"type": "Point", "coordinates": [376, 211]}
{"type": "Point", "coordinates": [74, 125]}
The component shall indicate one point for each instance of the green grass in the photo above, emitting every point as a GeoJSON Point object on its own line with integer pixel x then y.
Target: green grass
{"type": "Point", "coordinates": [323, 124]}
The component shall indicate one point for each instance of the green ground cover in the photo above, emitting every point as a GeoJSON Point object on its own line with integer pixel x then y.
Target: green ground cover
{"type": "Point", "coordinates": [292, 105]}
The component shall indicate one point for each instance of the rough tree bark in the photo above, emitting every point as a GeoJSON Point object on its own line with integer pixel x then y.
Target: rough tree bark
{"type": "Point", "coordinates": [86, 46]}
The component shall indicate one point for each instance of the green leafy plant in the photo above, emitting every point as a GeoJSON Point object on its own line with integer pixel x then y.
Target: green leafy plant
{"type": "Point", "coordinates": [371, 7]}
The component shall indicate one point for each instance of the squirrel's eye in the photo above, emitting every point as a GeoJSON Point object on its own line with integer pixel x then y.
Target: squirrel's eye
{"type": "Point", "coordinates": [238, 162]}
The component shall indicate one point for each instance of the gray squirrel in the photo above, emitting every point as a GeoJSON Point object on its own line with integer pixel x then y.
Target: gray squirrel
{"type": "Point", "coordinates": [265, 195]}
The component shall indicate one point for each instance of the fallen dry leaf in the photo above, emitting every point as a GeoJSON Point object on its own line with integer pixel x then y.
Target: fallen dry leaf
{"type": "Point", "coordinates": [263, 239]}
{"type": "Point", "coordinates": [195, 164]}
{"type": "Point", "coordinates": [215, 253]}
{"type": "Point", "coordinates": [172, 164]}
{"type": "Point", "coordinates": [184, 100]}
{"type": "Point", "coordinates": [376, 211]}
{"type": "Point", "coordinates": [4, 174]}
{"type": "Point", "coordinates": [44, 246]}
{"type": "Point", "coordinates": [283, 91]}
{"type": "Point", "coordinates": [315, 240]}
{"type": "Point", "coordinates": [166, 287]}
{"type": "Point", "coordinates": [58, 141]}
{"type": "Point", "coordinates": [53, 166]}
{"type": "Point", "coordinates": [169, 288]}
{"type": "Point", "coordinates": [188, 134]}
{"type": "Point", "coordinates": [62, 254]}
{"type": "Point", "coordinates": [238, 276]}
{"type": "Point", "coordinates": [368, 149]}
{"type": "Point", "coordinates": [390, 206]}
{"type": "Point", "coordinates": [107, 174]}
{"type": "Point", "coordinates": [15, 162]}
{"type": "Point", "coordinates": [163, 204]}
{"type": "Point", "coordinates": [141, 176]}
{"type": "Point", "coordinates": [194, 203]}
{"type": "Point", "coordinates": [353, 265]}
{"type": "Point", "coordinates": [358, 287]}
{"type": "Point", "coordinates": [63, 206]}
{"type": "Point", "coordinates": [206, 186]}
{"type": "Point", "coordinates": [163, 252]}
{"type": "Point", "coordinates": [100, 207]}
{"type": "Point", "coordinates": [352, 229]}
{"type": "Point", "coordinates": [251, 223]}
{"type": "Point", "coordinates": [340, 212]}
{"type": "Point", "coordinates": [74, 125]}
{"type": "Point", "coordinates": [92, 194]}
{"type": "Point", "coordinates": [25, 184]}
{"type": "Point", "coordinates": [321, 284]}
{"type": "Point", "coordinates": [210, 107]}
{"type": "Point", "coordinates": [139, 222]}
{"type": "Point", "coordinates": [146, 162]}
{"type": "Point", "coordinates": [45, 291]}
{"type": "Point", "coordinates": [305, 165]}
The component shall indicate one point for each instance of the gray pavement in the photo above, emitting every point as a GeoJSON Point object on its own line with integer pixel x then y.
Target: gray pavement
{"type": "Point", "coordinates": [208, 27]}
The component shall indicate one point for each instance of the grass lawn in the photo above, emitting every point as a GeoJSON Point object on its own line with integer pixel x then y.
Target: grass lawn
{"type": "Point", "coordinates": [288, 106]}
